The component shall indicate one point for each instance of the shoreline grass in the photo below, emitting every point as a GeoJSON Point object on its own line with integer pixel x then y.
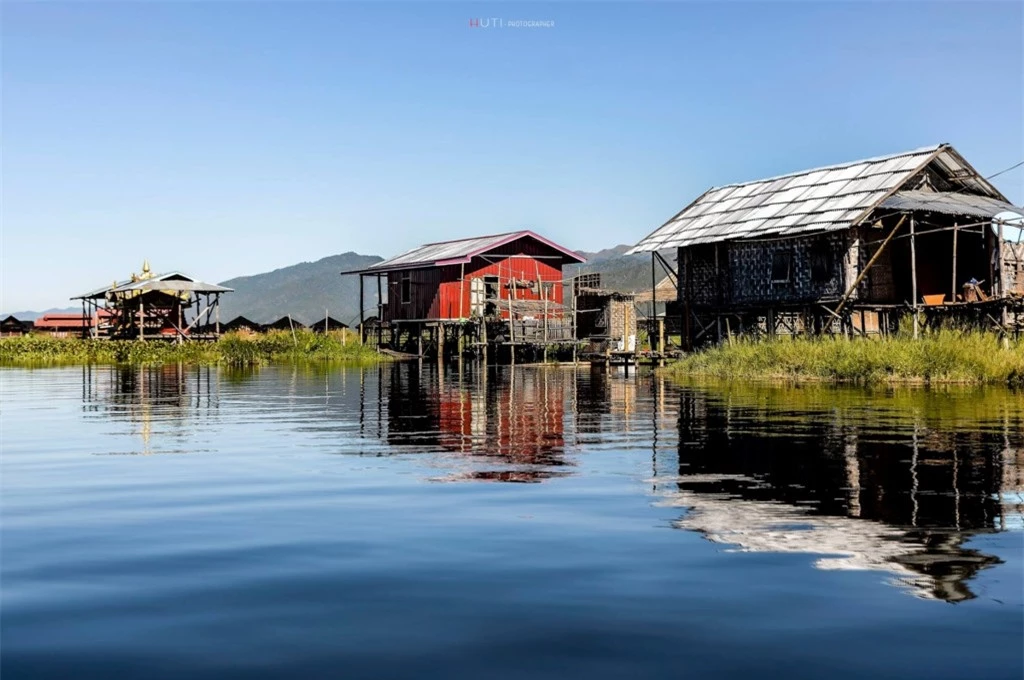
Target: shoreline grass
{"type": "Point", "coordinates": [236, 349]}
{"type": "Point", "coordinates": [946, 356]}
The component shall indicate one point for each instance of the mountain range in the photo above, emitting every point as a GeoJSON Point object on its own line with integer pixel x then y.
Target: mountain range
{"type": "Point", "coordinates": [310, 290]}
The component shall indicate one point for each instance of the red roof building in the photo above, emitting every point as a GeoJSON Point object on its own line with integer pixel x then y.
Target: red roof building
{"type": "Point", "coordinates": [497, 277]}
{"type": "Point", "coordinates": [63, 324]}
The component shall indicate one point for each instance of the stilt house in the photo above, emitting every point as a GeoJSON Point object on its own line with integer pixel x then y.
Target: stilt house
{"type": "Point", "coordinates": [13, 327]}
{"type": "Point", "coordinates": [515, 278]}
{"type": "Point", "coordinates": [849, 247]}
{"type": "Point", "coordinates": [172, 306]}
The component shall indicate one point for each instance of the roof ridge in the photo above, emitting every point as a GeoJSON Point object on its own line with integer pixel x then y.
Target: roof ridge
{"type": "Point", "coordinates": [473, 238]}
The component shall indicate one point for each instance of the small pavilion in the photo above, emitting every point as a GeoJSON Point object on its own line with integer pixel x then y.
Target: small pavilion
{"type": "Point", "coordinates": [171, 306]}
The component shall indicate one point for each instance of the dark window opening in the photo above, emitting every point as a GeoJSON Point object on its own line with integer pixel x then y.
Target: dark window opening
{"type": "Point", "coordinates": [822, 263]}
{"type": "Point", "coordinates": [781, 265]}
{"type": "Point", "coordinates": [406, 288]}
{"type": "Point", "coordinates": [490, 287]}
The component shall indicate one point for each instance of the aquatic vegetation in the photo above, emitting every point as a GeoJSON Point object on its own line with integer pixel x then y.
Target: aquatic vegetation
{"type": "Point", "coordinates": [941, 356]}
{"type": "Point", "coordinates": [238, 349]}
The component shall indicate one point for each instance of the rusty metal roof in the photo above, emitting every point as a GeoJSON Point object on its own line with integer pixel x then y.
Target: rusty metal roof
{"type": "Point", "coordinates": [821, 199]}
{"type": "Point", "coordinates": [949, 203]}
{"type": "Point", "coordinates": [462, 251]}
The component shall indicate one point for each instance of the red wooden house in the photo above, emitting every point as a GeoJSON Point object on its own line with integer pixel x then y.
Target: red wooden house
{"type": "Point", "coordinates": [515, 275]}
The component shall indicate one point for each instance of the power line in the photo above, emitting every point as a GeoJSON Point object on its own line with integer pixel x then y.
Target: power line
{"type": "Point", "coordinates": [1006, 170]}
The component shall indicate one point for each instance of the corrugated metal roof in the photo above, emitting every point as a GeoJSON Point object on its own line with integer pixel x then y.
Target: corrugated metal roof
{"type": "Point", "coordinates": [949, 203]}
{"type": "Point", "coordinates": [171, 281]}
{"type": "Point", "coordinates": [462, 250]}
{"type": "Point", "coordinates": [821, 199]}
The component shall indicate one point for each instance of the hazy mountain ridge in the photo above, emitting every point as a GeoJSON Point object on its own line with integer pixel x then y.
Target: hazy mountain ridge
{"type": "Point", "coordinates": [32, 316]}
{"type": "Point", "coordinates": [307, 289]}
{"type": "Point", "coordinates": [619, 271]}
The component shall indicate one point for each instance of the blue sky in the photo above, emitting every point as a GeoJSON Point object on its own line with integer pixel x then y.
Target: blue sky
{"type": "Point", "coordinates": [229, 138]}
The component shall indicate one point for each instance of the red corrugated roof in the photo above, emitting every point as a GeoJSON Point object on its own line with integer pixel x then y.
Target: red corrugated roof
{"type": "Point", "coordinates": [463, 250]}
{"type": "Point", "coordinates": [65, 320]}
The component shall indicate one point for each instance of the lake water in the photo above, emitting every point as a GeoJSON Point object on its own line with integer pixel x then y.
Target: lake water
{"type": "Point", "coordinates": [406, 522]}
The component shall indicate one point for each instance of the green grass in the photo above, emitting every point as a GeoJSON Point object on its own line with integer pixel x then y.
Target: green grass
{"type": "Point", "coordinates": [236, 349]}
{"type": "Point", "coordinates": [943, 356]}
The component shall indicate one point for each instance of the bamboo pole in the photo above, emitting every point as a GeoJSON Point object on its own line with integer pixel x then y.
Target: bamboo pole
{"type": "Point", "coordinates": [462, 289]}
{"type": "Point", "coordinates": [544, 298]}
{"type": "Point", "coordinates": [575, 316]}
{"type": "Point", "coordinates": [913, 274]}
{"type": "Point", "coordinates": [864, 272]}
{"type": "Point", "coordinates": [952, 297]}
{"type": "Point", "coordinates": [380, 304]}
{"type": "Point", "coordinates": [1004, 318]}
{"type": "Point", "coordinates": [362, 318]}
{"type": "Point", "coordinates": [511, 294]}
{"type": "Point", "coordinates": [654, 300]}
{"type": "Point", "coordinates": [1001, 292]}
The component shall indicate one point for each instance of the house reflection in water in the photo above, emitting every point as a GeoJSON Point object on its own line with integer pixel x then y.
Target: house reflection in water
{"type": "Point", "coordinates": [508, 424]}
{"type": "Point", "coordinates": [897, 498]}
{"type": "Point", "coordinates": [170, 400]}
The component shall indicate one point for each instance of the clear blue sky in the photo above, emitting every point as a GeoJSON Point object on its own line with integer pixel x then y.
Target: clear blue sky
{"type": "Point", "coordinates": [229, 138]}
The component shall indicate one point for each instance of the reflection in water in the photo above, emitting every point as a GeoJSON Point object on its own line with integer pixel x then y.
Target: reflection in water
{"type": "Point", "coordinates": [892, 482]}
{"type": "Point", "coordinates": [180, 398]}
{"type": "Point", "coordinates": [870, 488]}
{"type": "Point", "coordinates": [512, 419]}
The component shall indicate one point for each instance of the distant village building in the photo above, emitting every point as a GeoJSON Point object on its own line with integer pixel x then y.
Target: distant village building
{"type": "Point", "coordinates": [241, 323]}
{"type": "Point", "coordinates": [846, 248]}
{"type": "Point", "coordinates": [327, 324]}
{"type": "Point", "coordinates": [505, 289]}
{"type": "Point", "coordinates": [14, 327]}
{"type": "Point", "coordinates": [606, 318]}
{"type": "Point", "coordinates": [66, 325]}
{"type": "Point", "coordinates": [285, 323]}
{"type": "Point", "coordinates": [172, 306]}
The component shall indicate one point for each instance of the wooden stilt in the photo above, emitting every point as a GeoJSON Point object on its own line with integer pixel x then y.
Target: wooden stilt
{"type": "Point", "coordinates": [654, 300]}
{"type": "Point", "coordinates": [913, 275]}
{"type": "Point", "coordinates": [952, 292]}
{"type": "Point", "coordinates": [362, 307]}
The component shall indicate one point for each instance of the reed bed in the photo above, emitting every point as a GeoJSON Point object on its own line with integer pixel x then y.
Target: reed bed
{"type": "Point", "coordinates": [236, 349]}
{"type": "Point", "coordinates": [942, 356]}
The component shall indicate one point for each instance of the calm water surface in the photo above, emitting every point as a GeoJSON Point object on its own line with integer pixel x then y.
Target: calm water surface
{"type": "Point", "coordinates": [400, 522]}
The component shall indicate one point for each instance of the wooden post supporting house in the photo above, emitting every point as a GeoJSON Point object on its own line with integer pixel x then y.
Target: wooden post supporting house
{"type": "Point", "coordinates": [362, 318]}
{"type": "Point", "coordinates": [913, 275]}
{"type": "Point", "coordinates": [654, 304]}
{"type": "Point", "coordinates": [1004, 316]}
{"type": "Point", "coordinates": [952, 294]}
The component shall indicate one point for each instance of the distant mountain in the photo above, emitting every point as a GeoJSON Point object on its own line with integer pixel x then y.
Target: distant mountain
{"type": "Point", "coordinates": [307, 289]}
{"type": "Point", "coordinates": [304, 290]}
{"type": "Point", "coordinates": [32, 316]}
{"type": "Point", "coordinates": [621, 272]}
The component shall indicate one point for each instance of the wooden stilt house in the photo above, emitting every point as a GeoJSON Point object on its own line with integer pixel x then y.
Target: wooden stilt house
{"type": "Point", "coordinates": [172, 306]}
{"type": "Point", "coordinates": [847, 248]}
{"type": "Point", "coordinates": [506, 288]}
